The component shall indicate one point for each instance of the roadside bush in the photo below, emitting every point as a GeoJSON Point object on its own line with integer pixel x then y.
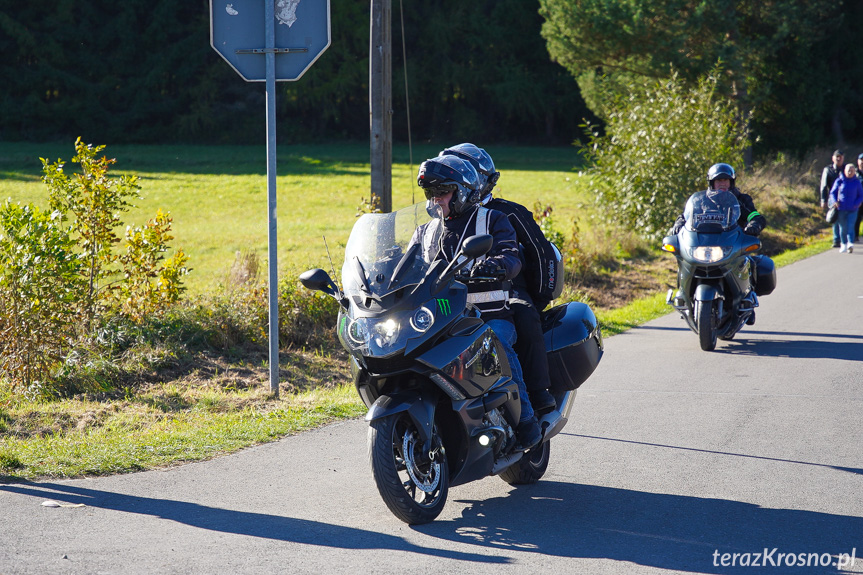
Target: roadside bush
{"type": "Point", "coordinates": [63, 277]}
{"type": "Point", "coordinates": [660, 139]}
{"type": "Point", "coordinates": [147, 285]}
{"type": "Point", "coordinates": [39, 285]}
{"type": "Point", "coordinates": [134, 282]}
{"type": "Point", "coordinates": [588, 254]}
{"type": "Point", "coordinates": [307, 318]}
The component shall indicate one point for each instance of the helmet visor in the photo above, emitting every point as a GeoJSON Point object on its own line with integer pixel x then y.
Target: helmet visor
{"type": "Point", "coordinates": [436, 191]}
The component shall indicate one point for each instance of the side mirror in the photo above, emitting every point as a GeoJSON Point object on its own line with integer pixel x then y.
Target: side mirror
{"type": "Point", "coordinates": [319, 280]}
{"type": "Point", "coordinates": [476, 246]}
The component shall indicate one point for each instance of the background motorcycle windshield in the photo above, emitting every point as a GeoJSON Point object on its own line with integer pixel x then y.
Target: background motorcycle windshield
{"type": "Point", "coordinates": [711, 211]}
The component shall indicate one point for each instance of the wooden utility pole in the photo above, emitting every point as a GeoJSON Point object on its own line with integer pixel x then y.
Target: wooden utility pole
{"type": "Point", "coordinates": [380, 103]}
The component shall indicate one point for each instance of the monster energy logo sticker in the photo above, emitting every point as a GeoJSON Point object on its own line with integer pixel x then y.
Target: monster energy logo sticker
{"type": "Point", "coordinates": [443, 306]}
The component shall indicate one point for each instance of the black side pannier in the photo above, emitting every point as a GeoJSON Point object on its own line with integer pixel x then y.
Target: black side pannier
{"type": "Point", "coordinates": [765, 276]}
{"type": "Point", "coordinates": [573, 341]}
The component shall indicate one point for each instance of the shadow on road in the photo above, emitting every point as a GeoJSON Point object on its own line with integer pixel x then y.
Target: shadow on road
{"type": "Point", "coordinates": [653, 529]}
{"type": "Point", "coordinates": [816, 346]}
{"type": "Point", "coordinates": [761, 457]}
{"type": "Point", "coordinates": [847, 350]}
{"type": "Point", "coordinates": [262, 525]}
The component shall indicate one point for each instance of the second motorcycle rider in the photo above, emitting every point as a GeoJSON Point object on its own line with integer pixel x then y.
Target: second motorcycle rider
{"type": "Point", "coordinates": [540, 280]}
{"type": "Point", "coordinates": [452, 188]}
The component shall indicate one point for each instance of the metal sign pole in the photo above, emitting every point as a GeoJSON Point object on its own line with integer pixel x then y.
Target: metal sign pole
{"type": "Point", "coordinates": [270, 31]}
{"type": "Point", "coordinates": [236, 34]}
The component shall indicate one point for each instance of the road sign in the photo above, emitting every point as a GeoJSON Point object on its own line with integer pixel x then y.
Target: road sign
{"type": "Point", "coordinates": [238, 34]}
{"type": "Point", "coordinates": [268, 41]}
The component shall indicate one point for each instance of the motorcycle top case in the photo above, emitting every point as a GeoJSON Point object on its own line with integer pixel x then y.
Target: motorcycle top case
{"type": "Point", "coordinates": [573, 343]}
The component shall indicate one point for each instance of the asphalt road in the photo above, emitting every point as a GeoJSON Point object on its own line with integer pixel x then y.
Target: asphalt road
{"type": "Point", "coordinates": [675, 457]}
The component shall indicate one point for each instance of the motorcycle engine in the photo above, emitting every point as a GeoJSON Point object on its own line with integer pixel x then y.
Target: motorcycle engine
{"type": "Point", "coordinates": [496, 422]}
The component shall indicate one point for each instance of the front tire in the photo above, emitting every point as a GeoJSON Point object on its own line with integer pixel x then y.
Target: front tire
{"type": "Point", "coordinates": [707, 315]}
{"type": "Point", "coordinates": [413, 484]}
{"type": "Point", "coordinates": [530, 468]}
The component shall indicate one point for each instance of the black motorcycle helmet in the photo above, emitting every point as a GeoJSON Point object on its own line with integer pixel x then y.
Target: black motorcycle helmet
{"type": "Point", "coordinates": [720, 171]}
{"type": "Point", "coordinates": [482, 163]}
{"type": "Point", "coordinates": [441, 175]}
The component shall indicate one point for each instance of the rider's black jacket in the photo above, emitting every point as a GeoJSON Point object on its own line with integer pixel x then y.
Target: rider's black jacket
{"type": "Point", "coordinates": [538, 274]}
{"type": "Point", "coordinates": [504, 252]}
{"type": "Point", "coordinates": [750, 221]}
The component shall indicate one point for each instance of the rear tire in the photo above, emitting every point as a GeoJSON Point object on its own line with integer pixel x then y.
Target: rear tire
{"type": "Point", "coordinates": [530, 468]}
{"type": "Point", "coordinates": [413, 485]}
{"type": "Point", "coordinates": [707, 324]}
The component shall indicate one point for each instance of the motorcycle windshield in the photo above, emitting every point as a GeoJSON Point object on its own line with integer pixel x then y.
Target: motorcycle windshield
{"type": "Point", "coordinates": [387, 252]}
{"type": "Point", "coordinates": [711, 212]}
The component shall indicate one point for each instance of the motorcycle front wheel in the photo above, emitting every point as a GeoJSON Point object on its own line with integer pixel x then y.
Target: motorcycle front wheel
{"type": "Point", "coordinates": [530, 468]}
{"type": "Point", "coordinates": [412, 482]}
{"type": "Point", "coordinates": [707, 319]}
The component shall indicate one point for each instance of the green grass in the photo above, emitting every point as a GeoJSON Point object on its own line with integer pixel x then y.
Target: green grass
{"type": "Point", "coordinates": [218, 195]}
{"type": "Point", "coordinates": [141, 435]}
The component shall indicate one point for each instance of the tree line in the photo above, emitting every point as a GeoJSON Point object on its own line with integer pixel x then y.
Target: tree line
{"type": "Point", "coordinates": [144, 72]}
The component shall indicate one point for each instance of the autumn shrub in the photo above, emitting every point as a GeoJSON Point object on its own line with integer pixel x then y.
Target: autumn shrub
{"type": "Point", "coordinates": [67, 272]}
{"type": "Point", "coordinates": [40, 283]}
{"type": "Point", "coordinates": [659, 141]}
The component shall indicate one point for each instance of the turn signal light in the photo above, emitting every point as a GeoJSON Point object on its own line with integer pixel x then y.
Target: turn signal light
{"type": "Point", "coordinates": [668, 248]}
{"type": "Point", "coordinates": [752, 248]}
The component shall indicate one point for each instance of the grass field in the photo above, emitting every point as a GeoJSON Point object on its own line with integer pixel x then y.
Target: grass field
{"type": "Point", "coordinates": [217, 195]}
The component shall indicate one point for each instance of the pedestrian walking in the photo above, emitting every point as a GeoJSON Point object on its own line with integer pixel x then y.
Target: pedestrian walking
{"type": "Point", "coordinates": [828, 178]}
{"type": "Point", "coordinates": [847, 194]}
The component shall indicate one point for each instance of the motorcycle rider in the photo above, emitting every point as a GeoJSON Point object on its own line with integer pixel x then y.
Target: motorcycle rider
{"type": "Point", "coordinates": [451, 186]}
{"type": "Point", "coordinates": [532, 286]}
{"type": "Point", "coordinates": [721, 177]}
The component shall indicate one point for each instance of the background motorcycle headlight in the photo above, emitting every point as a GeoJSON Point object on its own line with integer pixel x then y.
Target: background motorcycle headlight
{"type": "Point", "coordinates": [708, 254]}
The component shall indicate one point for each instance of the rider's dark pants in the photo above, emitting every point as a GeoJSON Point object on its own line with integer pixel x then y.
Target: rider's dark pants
{"type": "Point", "coordinates": [530, 344]}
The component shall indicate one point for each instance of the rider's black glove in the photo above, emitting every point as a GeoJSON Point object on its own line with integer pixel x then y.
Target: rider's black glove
{"type": "Point", "coordinates": [486, 268]}
{"type": "Point", "coordinates": [752, 229]}
{"type": "Point", "coordinates": [675, 229]}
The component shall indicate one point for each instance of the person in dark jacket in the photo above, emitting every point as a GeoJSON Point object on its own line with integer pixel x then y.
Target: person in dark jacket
{"type": "Point", "coordinates": [451, 186]}
{"type": "Point", "coordinates": [847, 194]}
{"type": "Point", "coordinates": [533, 285]}
{"type": "Point", "coordinates": [723, 177]}
{"type": "Point", "coordinates": [828, 177]}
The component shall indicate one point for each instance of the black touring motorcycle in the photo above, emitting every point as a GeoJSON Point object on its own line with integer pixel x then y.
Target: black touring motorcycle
{"type": "Point", "coordinates": [716, 262]}
{"type": "Point", "coordinates": [442, 404]}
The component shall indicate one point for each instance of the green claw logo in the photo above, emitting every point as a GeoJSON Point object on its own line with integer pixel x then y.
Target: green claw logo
{"type": "Point", "coordinates": [443, 306]}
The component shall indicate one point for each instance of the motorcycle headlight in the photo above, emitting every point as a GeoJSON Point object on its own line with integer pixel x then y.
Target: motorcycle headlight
{"type": "Point", "coordinates": [357, 331]}
{"type": "Point", "coordinates": [708, 254]}
{"type": "Point", "coordinates": [422, 320]}
{"type": "Point", "coordinates": [379, 336]}
{"type": "Point", "coordinates": [386, 332]}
